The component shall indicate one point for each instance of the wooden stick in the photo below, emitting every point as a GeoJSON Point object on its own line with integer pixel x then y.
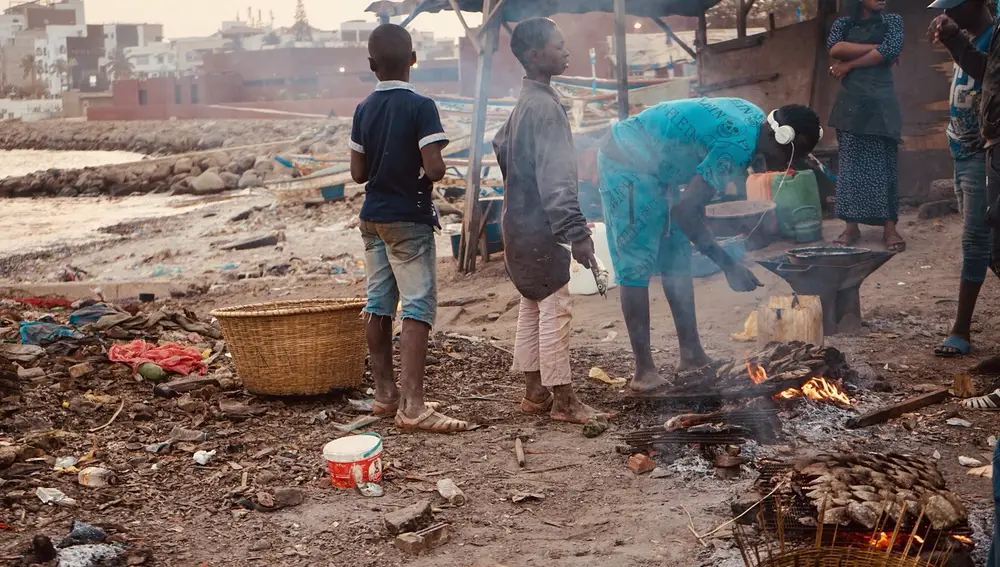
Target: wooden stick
{"type": "Point", "coordinates": [519, 452]}
{"type": "Point", "coordinates": [121, 406]}
{"type": "Point", "coordinates": [550, 469]}
{"type": "Point", "coordinates": [758, 503]}
{"type": "Point", "coordinates": [896, 410]}
{"type": "Point", "coordinates": [691, 526]}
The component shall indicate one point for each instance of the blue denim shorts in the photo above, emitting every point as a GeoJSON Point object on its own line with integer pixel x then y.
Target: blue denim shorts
{"type": "Point", "coordinates": [401, 262]}
{"type": "Point", "coordinates": [970, 190]}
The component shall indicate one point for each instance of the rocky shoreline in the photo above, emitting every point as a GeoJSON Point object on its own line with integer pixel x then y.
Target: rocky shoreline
{"type": "Point", "coordinates": [156, 138]}
{"type": "Point", "coordinates": [248, 164]}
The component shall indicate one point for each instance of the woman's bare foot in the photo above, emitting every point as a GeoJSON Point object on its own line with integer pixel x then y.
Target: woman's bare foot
{"type": "Point", "coordinates": [567, 407]}
{"type": "Point", "coordinates": [647, 381]}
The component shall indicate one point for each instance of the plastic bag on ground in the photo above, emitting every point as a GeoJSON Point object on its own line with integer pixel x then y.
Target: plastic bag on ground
{"type": "Point", "coordinates": [41, 333]}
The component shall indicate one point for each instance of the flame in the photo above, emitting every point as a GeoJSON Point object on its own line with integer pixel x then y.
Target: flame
{"type": "Point", "coordinates": [756, 372]}
{"type": "Point", "coordinates": [879, 542]}
{"type": "Point", "coordinates": [963, 539]}
{"type": "Point", "coordinates": [817, 388]}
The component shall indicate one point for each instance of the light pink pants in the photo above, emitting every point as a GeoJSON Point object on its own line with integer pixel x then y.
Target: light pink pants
{"type": "Point", "coordinates": [542, 340]}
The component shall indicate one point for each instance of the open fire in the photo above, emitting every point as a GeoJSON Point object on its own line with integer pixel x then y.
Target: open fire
{"type": "Point", "coordinates": [817, 388]}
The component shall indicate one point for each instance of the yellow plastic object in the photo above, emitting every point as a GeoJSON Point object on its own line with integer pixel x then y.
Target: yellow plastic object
{"type": "Point", "coordinates": [791, 318]}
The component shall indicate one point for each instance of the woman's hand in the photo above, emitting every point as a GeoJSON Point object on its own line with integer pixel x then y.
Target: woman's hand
{"type": "Point", "coordinates": [840, 68]}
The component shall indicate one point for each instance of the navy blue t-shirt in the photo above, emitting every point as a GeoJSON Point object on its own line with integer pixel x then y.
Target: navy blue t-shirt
{"type": "Point", "coordinates": [391, 126]}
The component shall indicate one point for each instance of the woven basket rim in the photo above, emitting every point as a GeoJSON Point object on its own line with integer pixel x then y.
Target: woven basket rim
{"type": "Point", "coordinates": [291, 307]}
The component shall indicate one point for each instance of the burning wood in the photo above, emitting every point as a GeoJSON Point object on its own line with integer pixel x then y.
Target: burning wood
{"type": "Point", "coordinates": [862, 489]}
{"type": "Point", "coordinates": [780, 370]}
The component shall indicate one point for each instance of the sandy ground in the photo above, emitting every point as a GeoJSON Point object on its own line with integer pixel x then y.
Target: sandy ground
{"type": "Point", "coordinates": [14, 163]}
{"type": "Point", "coordinates": [594, 511]}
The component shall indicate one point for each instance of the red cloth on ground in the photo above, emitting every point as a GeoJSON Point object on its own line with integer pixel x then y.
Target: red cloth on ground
{"type": "Point", "coordinates": [171, 357]}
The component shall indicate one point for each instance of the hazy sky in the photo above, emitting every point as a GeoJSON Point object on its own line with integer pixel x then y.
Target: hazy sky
{"type": "Point", "coordinates": [182, 18]}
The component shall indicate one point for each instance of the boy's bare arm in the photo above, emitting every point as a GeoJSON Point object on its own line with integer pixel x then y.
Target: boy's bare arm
{"type": "Point", "coordinates": [433, 161]}
{"type": "Point", "coordinates": [359, 168]}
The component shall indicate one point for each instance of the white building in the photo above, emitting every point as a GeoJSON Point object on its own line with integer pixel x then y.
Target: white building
{"type": "Point", "coordinates": [158, 59]}
{"type": "Point", "coordinates": [51, 56]}
{"type": "Point", "coordinates": [10, 26]}
{"type": "Point", "coordinates": [189, 51]}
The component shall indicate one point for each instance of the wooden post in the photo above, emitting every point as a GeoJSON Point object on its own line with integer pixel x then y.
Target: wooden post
{"type": "Point", "coordinates": [621, 59]}
{"type": "Point", "coordinates": [741, 19]}
{"type": "Point", "coordinates": [470, 221]}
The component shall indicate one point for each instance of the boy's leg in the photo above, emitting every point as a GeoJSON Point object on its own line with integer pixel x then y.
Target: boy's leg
{"type": "Point", "coordinates": [970, 188]}
{"type": "Point", "coordinates": [411, 253]}
{"type": "Point", "coordinates": [537, 399]}
{"type": "Point", "coordinates": [635, 210]}
{"type": "Point", "coordinates": [382, 298]}
{"type": "Point", "coordinates": [675, 265]}
{"type": "Point", "coordinates": [555, 316]}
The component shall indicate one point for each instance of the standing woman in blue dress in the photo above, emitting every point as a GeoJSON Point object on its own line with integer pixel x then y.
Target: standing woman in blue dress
{"type": "Point", "coordinates": [868, 121]}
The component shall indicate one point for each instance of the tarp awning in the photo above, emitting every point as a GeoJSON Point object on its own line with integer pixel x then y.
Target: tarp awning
{"type": "Point", "coordinates": [516, 10]}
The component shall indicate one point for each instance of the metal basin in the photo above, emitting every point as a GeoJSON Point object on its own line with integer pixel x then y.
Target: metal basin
{"type": "Point", "coordinates": [828, 256]}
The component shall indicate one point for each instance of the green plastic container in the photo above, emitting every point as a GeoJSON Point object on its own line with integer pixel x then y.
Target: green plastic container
{"type": "Point", "coordinates": [798, 191]}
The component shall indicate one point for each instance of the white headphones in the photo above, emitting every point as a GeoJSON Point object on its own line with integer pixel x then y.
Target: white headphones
{"type": "Point", "coordinates": [784, 135]}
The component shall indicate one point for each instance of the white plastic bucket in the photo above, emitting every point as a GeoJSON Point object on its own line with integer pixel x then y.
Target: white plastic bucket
{"type": "Point", "coordinates": [581, 280]}
{"type": "Point", "coordinates": [353, 458]}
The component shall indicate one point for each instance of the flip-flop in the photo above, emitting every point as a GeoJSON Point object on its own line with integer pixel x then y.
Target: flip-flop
{"type": "Point", "coordinates": [989, 402]}
{"type": "Point", "coordinates": [431, 421]}
{"type": "Point", "coordinates": [383, 409]}
{"type": "Point", "coordinates": [895, 246]}
{"type": "Point", "coordinates": [528, 406]}
{"type": "Point", "coordinates": [952, 347]}
{"type": "Point", "coordinates": [850, 240]}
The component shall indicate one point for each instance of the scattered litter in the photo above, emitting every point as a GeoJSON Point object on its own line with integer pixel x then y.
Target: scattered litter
{"type": "Point", "coordinates": [204, 457]}
{"type": "Point", "coordinates": [172, 356]}
{"type": "Point", "coordinates": [612, 335]}
{"type": "Point", "coordinates": [90, 555]}
{"type": "Point", "coordinates": [598, 374]}
{"type": "Point", "coordinates": [187, 435]}
{"type": "Point", "coordinates": [152, 372]}
{"type": "Point", "coordinates": [363, 406]}
{"type": "Point", "coordinates": [982, 472]}
{"type": "Point", "coordinates": [43, 333]}
{"type": "Point", "coordinates": [936, 455]}
{"type": "Point", "coordinates": [96, 477]}
{"type": "Point", "coordinates": [451, 492]}
{"type": "Point", "coordinates": [519, 497]}
{"type": "Point", "coordinates": [54, 496]}
{"type": "Point", "coordinates": [66, 464]}
{"type": "Point", "coordinates": [83, 533]}
{"type": "Point", "coordinates": [21, 353]}
{"type": "Point", "coordinates": [659, 472]}
{"type": "Point", "coordinates": [958, 422]}
{"type": "Point", "coordinates": [749, 332]}
{"type": "Point", "coordinates": [969, 462]}
{"type": "Point", "coordinates": [358, 423]}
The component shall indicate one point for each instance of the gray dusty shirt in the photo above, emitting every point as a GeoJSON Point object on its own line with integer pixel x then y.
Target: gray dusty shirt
{"type": "Point", "coordinates": [541, 206]}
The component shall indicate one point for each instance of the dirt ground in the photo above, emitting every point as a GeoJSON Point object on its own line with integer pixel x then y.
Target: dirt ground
{"type": "Point", "coordinates": [594, 511]}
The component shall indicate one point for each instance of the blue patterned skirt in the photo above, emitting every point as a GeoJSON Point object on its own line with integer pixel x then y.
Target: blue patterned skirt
{"type": "Point", "coordinates": [867, 179]}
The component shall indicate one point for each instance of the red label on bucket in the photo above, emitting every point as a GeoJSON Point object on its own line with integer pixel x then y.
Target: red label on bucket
{"type": "Point", "coordinates": [354, 459]}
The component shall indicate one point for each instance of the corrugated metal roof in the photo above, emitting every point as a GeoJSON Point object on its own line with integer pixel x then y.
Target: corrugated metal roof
{"type": "Point", "coordinates": [516, 10]}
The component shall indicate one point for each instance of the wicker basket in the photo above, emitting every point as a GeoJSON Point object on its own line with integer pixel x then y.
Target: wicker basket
{"type": "Point", "coordinates": [296, 348]}
{"type": "Point", "coordinates": [843, 557]}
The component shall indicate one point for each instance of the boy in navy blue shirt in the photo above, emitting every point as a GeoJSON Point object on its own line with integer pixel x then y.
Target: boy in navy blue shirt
{"type": "Point", "coordinates": [396, 143]}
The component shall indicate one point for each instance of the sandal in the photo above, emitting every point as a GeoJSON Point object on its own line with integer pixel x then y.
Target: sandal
{"type": "Point", "coordinates": [390, 408]}
{"type": "Point", "coordinates": [528, 406]}
{"type": "Point", "coordinates": [847, 238]}
{"type": "Point", "coordinates": [989, 402]}
{"type": "Point", "coordinates": [895, 244]}
{"type": "Point", "coordinates": [431, 421]}
{"type": "Point", "coordinates": [953, 346]}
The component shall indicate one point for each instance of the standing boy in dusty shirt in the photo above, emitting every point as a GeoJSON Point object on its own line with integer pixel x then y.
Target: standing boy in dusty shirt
{"type": "Point", "coordinates": [541, 212]}
{"type": "Point", "coordinates": [396, 143]}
